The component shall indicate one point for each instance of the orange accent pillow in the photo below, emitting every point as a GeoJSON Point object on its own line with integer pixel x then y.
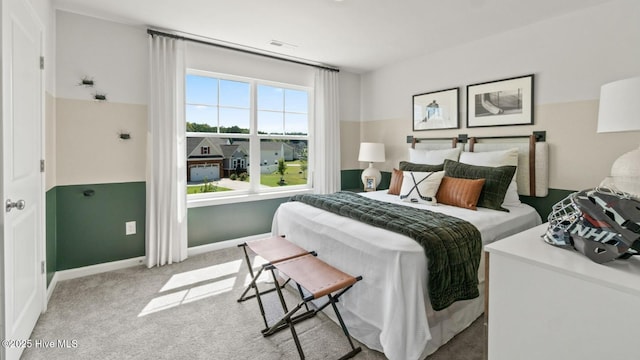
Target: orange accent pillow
{"type": "Point", "coordinates": [396, 182]}
{"type": "Point", "coordinates": [459, 192]}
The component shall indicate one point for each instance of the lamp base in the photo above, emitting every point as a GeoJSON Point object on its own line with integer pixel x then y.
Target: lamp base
{"type": "Point", "coordinates": [628, 164]}
{"type": "Point", "coordinates": [625, 173]}
{"type": "Point", "coordinates": [368, 173]}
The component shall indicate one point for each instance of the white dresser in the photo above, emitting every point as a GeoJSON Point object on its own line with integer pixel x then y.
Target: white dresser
{"type": "Point", "coordinates": [550, 303]}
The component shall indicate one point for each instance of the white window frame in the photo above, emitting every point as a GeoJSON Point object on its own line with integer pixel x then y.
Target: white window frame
{"type": "Point", "coordinates": [255, 193]}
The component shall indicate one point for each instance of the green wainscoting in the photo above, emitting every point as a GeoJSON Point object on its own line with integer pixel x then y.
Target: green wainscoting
{"type": "Point", "coordinates": [88, 230]}
{"type": "Point", "coordinates": [51, 224]}
{"type": "Point", "coordinates": [543, 204]}
{"type": "Point", "coordinates": [212, 224]}
{"type": "Point", "coordinates": [91, 228]}
{"type": "Point", "coordinates": [350, 180]}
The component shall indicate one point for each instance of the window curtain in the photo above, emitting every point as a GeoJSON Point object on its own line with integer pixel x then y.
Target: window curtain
{"type": "Point", "coordinates": [327, 132]}
{"type": "Point", "coordinates": [166, 206]}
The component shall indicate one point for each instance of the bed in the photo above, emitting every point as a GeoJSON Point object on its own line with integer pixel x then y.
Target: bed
{"type": "Point", "coordinates": [390, 310]}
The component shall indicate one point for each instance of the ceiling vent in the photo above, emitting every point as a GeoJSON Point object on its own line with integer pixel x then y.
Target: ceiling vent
{"type": "Point", "coordinates": [282, 44]}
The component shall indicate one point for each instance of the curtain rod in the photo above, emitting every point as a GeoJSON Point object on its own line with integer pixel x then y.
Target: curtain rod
{"type": "Point", "coordinates": [174, 36]}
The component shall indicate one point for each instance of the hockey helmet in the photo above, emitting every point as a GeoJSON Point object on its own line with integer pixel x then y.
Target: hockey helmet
{"type": "Point", "coordinates": [601, 223]}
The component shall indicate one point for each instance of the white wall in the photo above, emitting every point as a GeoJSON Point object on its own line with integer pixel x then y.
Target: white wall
{"type": "Point", "coordinates": [571, 57]}
{"type": "Point", "coordinates": [350, 102]}
{"type": "Point", "coordinates": [87, 145]}
{"type": "Point", "coordinates": [350, 96]}
{"type": "Point", "coordinates": [114, 55]}
{"type": "Point", "coordinates": [214, 59]}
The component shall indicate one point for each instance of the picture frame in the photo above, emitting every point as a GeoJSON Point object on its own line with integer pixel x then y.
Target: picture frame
{"type": "Point", "coordinates": [369, 183]}
{"type": "Point", "coordinates": [436, 110]}
{"type": "Point", "coordinates": [501, 102]}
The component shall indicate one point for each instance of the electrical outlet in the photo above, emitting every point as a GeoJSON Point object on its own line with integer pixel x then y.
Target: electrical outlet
{"type": "Point", "coordinates": [130, 228]}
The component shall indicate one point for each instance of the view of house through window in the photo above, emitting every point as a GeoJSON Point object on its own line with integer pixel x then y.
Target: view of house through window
{"type": "Point", "coordinates": [238, 143]}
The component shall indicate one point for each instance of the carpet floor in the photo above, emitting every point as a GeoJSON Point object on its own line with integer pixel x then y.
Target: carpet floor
{"type": "Point", "coordinates": [189, 311]}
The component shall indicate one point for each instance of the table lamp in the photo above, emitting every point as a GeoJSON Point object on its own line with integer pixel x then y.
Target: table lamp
{"type": "Point", "coordinates": [620, 111]}
{"type": "Point", "coordinates": [371, 152]}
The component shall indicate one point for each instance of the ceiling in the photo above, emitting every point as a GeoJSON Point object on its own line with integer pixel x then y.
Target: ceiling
{"type": "Point", "coordinates": [354, 35]}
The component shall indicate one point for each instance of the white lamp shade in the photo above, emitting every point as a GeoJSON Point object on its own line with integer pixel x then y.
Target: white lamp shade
{"type": "Point", "coordinates": [619, 106]}
{"type": "Point", "coordinates": [371, 152]}
{"type": "Point", "coordinates": [620, 111]}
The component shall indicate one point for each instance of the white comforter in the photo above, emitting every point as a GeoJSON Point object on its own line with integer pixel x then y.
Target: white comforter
{"type": "Point", "coordinates": [386, 310]}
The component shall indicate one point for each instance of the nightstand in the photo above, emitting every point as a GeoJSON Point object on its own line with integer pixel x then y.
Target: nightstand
{"type": "Point", "coordinates": [547, 302]}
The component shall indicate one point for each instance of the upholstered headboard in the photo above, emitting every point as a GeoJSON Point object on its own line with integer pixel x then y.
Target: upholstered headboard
{"type": "Point", "coordinates": [533, 156]}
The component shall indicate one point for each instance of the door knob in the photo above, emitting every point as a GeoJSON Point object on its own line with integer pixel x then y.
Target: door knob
{"type": "Point", "coordinates": [18, 205]}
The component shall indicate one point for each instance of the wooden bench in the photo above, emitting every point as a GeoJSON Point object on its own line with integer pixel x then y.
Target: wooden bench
{"type": "Point", "coordinates": [273, 250]}
{"type": "Point", "coordinates": [314, 279]}
{"type": "Point", "coordinates": [319, 279]}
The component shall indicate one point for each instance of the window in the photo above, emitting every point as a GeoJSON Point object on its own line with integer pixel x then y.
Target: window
{"type": "Point", "coordinates": [233, 120]}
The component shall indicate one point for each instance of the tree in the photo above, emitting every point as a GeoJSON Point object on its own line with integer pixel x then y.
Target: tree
{"type": "Point", "coordinates": [303, 168]}
{"type": "Point", "coordinates": [193, 127]}
{"type": "Point", "coordinates": [303, 163]}
{"type": "Point", "coordinates": [282, 167]}
{"type": "Point", "coordinates": [235, 129]}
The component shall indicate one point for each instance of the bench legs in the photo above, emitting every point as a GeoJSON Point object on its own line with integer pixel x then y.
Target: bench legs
{"type": "Point", "coordinates": [252, 284]}
{"type": "Point", "coordinates": [354, 350]}
{"type": "Point", "coordinates": [296, 263]}
{"type": "Point", "coordinates": [288, 320]}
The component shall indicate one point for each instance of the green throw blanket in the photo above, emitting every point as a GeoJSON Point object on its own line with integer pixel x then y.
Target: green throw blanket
{"type": "Point", "coordinates": [452, 246]}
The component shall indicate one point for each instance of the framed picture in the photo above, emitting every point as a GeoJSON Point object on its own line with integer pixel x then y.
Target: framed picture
{"type": "Point", "coordinates": [369, 183]}
{"type": "Point", "coordinates": [501, 102]}
{"type": "Point", "coordinates": [436, 110]}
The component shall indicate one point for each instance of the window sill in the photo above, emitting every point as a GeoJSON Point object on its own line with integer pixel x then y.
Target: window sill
{"type": "Point", "coordinates": [234, 199]}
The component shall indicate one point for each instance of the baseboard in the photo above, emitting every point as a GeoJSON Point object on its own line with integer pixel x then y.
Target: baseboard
{"type": "Point", "coordinates": [196, 250]}
{"type": "Point", "coordinates": [123, 264]}
{"type": "Point", "coordinates": [98, 268]}
{"type": "Point", "coordinates": [52, 286]}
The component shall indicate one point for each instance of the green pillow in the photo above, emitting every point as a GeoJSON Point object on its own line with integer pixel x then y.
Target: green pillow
{"type": "Point", "coordinates": [409, 166]}
{"type": "Point", "coordinates": [497, 180]}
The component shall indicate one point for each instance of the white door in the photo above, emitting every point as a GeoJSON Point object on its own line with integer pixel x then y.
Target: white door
{"type": "Point", "coordinates": [22, 110]}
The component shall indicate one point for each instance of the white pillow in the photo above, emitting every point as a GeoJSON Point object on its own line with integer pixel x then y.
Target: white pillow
{"type": "Point", "coordinates": [420, 187]}
{"type": "Point", "coordinates": [494, 159]}
{"type": "Point", "coordinates": [433, 157]}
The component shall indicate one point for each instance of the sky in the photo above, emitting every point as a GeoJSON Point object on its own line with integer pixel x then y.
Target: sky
{"type": "Point", "coordinates": [227, 103]}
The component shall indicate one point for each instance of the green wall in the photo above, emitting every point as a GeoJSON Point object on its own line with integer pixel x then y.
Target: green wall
{"type": "Point", "coordinates": [89, 230]}
{"type": "Point", "coordinates": [50, 210]}
{"type": "Point", "coordinates": [351, 180]}
{"type": "Point", "coordinates": [543, 205]}
{"type": "Point", "coordinates": [231, 221]}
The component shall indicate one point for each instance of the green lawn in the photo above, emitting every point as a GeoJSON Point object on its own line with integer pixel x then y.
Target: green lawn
{"type": "Point", "coordinates": [202, 189]}
{"type": "Point", "coordinates": [290, 178]}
